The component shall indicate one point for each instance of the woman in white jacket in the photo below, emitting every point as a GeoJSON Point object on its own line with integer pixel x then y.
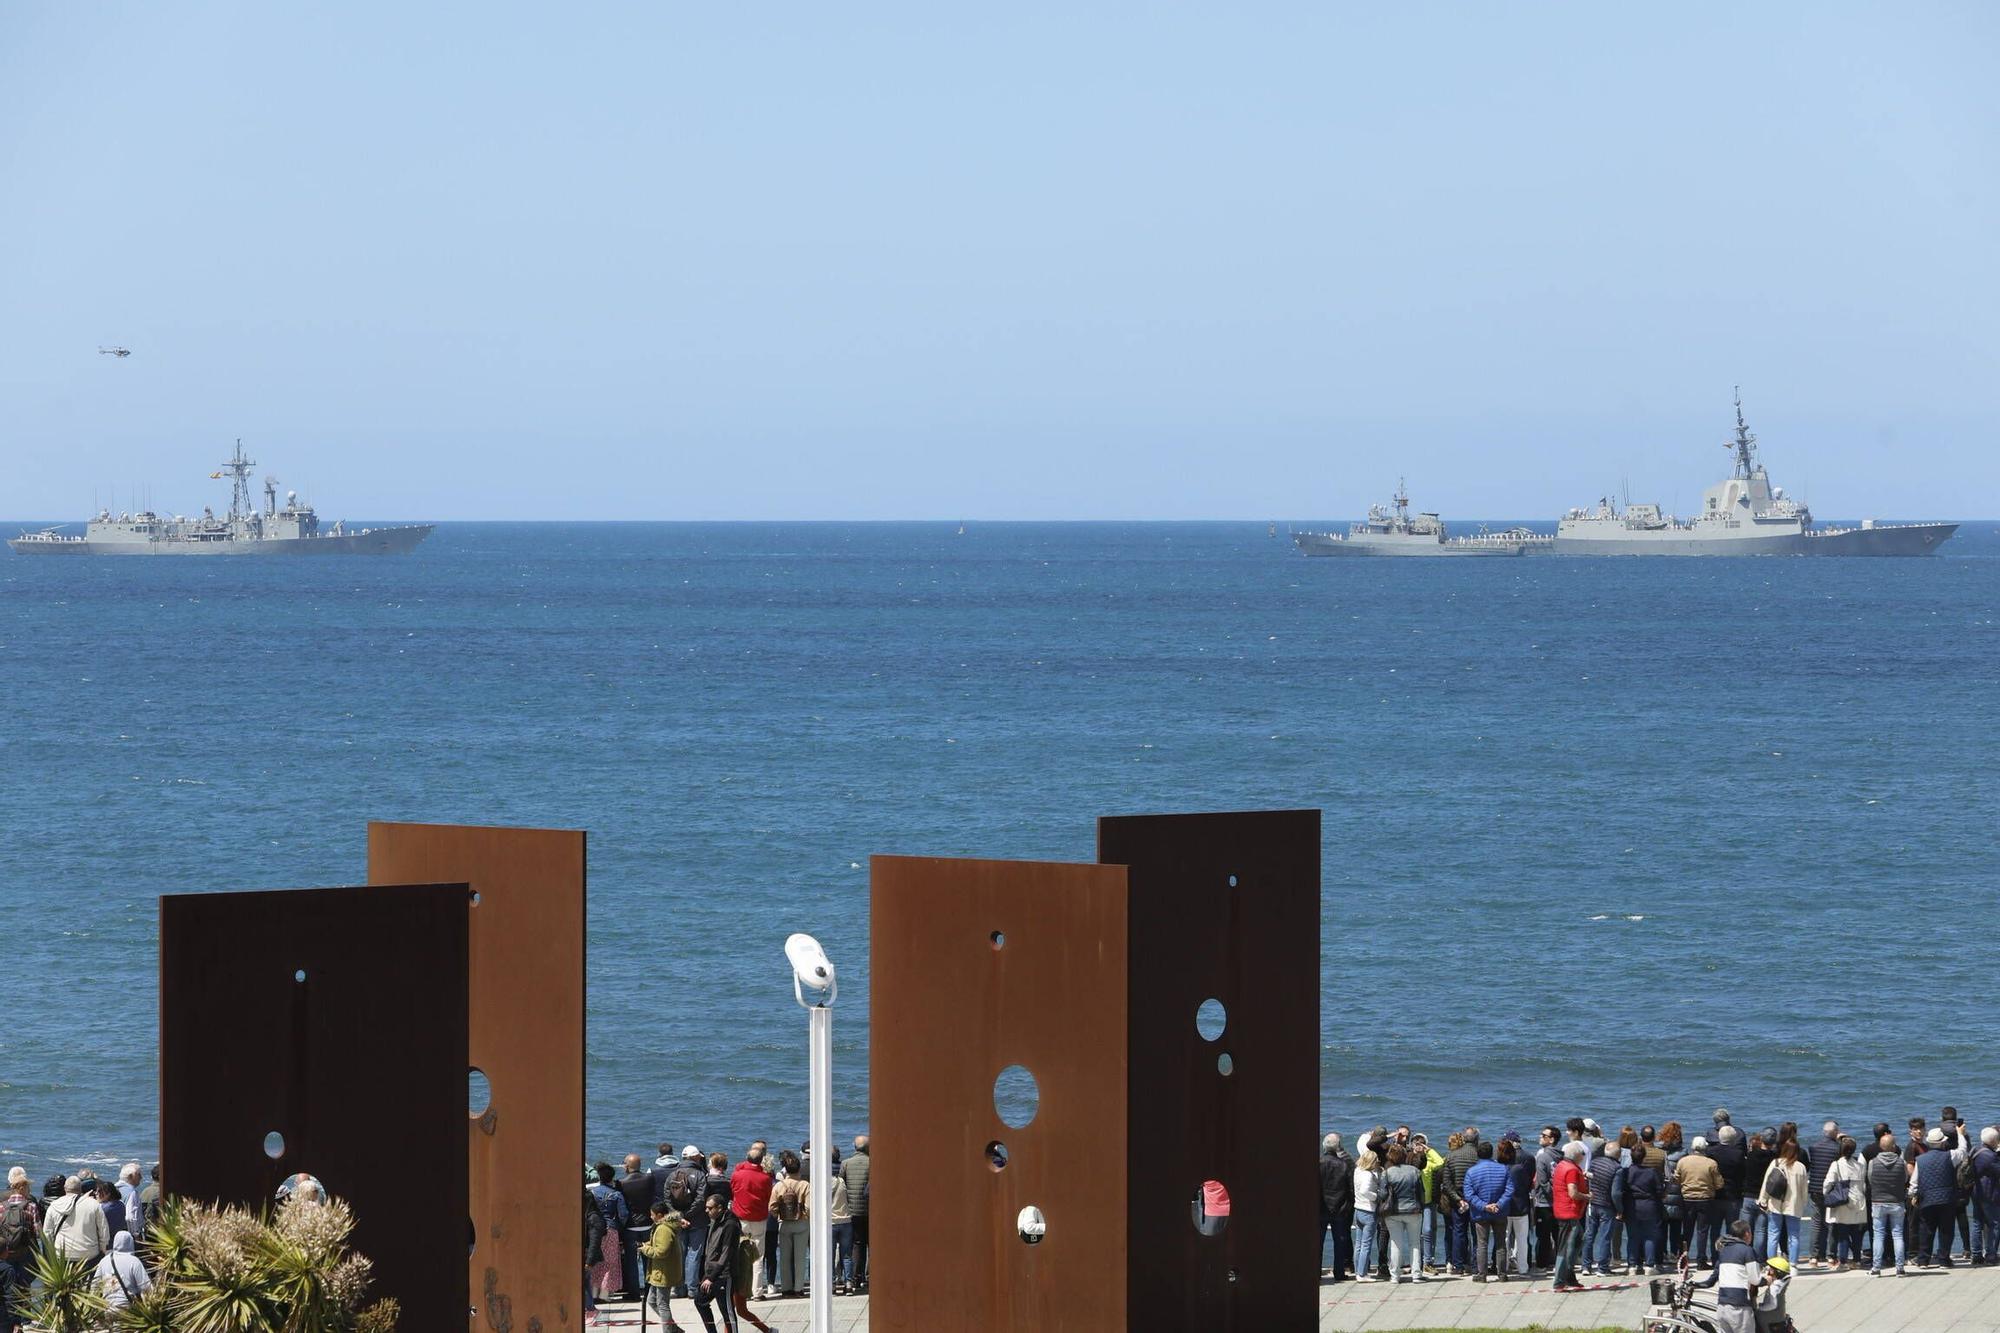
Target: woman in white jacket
{"type": "Point", "coordinates": [1850, 1216]}
{"type": "Point", "coordinates": [1786, 1212]}
{"type": "Point", "coordinates": [1367, 1189]}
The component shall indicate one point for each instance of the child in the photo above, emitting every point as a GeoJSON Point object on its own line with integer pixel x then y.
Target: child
{"type": "Point", "coordinates": [662, 1254]}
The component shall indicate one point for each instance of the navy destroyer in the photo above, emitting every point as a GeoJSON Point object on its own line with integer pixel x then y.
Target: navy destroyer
{"type": "Point", "coordinates": [1396, 532]}
{"type": "Point", "coordinates": [1743, 515]}
{"type": "Point", "coordinates": [289, 529]}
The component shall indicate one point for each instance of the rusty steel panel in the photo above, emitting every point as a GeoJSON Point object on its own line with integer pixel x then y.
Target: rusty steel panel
{"type": "Point", "coordinates": [337, 1019]}
{"type": "Point", "coordinates": [1225, 907]}
{"type": "Point", "coordinates": [975, 966]}
{"type": "Point", "coordinates": [526, 956]}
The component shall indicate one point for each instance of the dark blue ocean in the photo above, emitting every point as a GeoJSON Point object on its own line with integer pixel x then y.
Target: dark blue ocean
{"type": "Point", "coordinates": [1627, 838]}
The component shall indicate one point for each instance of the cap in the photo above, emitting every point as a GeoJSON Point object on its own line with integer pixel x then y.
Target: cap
{"type": "Point", "coordinates": [1936, 1137]}
{"type": "Point", "coordinates": [1699, 1143]}
{"type": "Point", "coordinates": [1588, 1123]}
{"type": "Point", "coordinates": [690, 1153]}
{"type": "Point", "coordinates": [1511, 1136]}
{"type": "Point", "coordinates": [1780, 1262]}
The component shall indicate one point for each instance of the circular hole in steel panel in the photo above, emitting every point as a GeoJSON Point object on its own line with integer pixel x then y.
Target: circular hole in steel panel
{"type": "Point", "coordinates": [996, 1155]}
{"type": "Point", "coordinates": [1224, 1065]}
{"type": "Point", "coordinates": [479, 1092]}
{"type": "Point", "coordinates": [1031, 1225]}
{"type": "Point", "coordinates": [274, 1145]}
{"type": "Point", "coordinates": [1210, 1019]}
{"type": "Point", "coordinates": [1016, 1097]}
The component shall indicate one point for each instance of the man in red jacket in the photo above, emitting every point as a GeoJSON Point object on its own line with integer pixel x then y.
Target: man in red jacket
{"type": "Point", "coordinates": [750, 1199]}
{"type": "Point", "coordinates": [1568, 1196]}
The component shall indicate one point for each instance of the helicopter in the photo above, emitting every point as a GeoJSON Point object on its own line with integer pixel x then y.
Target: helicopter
{"type": "Point", "coordinates": [114, 351]}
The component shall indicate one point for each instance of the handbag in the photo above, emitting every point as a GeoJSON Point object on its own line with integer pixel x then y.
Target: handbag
{"type": "Point", "coordinates": [1837, 1194]}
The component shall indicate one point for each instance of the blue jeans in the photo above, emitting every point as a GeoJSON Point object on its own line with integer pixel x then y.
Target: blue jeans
{"type": "Point", "coordinates": [1597, 1238]}
{"type": "Point", "coordinates": [692, 1241]}
{"type": "Point", "coordinates": [1342, 1238]}
{"type": "Point", "coordinates": [1986, 1231]}
{"type": "Point", "coordinates": [1461, 1239]}
{"type": "Point", "coordinates": [630, 1239]}
{"type": "Point", "coordinates": [1753, 1213]}
{"type": "Point", "coordinates": [1887, 1219]}
{"type": "Point", "coordinates": [1786, 1235]}
{"type": "Point", "coordinates": [1644, 1238]}
{"type": "Point", "coordinates": [843, 1251]}
{"type": "Point", "coordinates": [1365, 1244]}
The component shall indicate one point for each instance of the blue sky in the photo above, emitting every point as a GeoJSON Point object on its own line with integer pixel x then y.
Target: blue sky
{"type": "Point", "coordinates": [731, 261]}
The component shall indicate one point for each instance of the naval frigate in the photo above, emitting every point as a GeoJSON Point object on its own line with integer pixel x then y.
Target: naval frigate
{"type": "Point", "coordinates": [289, 529]}
{"type": "Point", "coordinates": [1397, 532]}
{"type": "Point", "coordinates": [1742, 515]}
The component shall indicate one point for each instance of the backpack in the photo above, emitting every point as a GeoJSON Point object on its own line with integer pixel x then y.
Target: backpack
{"type": "Point", "coordinates": [1385, 1197]}
{"type": "Point", "coordinates": [684, 1190]}
{"type": "Point", "coordinates": [15, 1232]}
{"type": "Point", "coordinates": [1966, 1174]}
{"type": "Point", "coordinates": [1670, 1196]}
{"type": "Point", "coordinates": [788, 1203]}
{"type": "Point", "coordinates": [1775, 1184]}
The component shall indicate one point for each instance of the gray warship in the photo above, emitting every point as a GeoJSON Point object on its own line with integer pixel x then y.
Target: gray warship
{"type": "Point", "coordinates": [1395, 532]}
{"type": "Point", "coordinates": [1743, 515]}
{"type": "Point", "coordinates": [290, 529]}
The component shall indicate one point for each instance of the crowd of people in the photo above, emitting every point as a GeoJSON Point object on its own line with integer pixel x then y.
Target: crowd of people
{"type": "Point", "coordinates": [1580, 1201]}
{"type": "Point", "coordinates": [691, 1226]}
{"type": "Point", "coordinates": [86, 1220]}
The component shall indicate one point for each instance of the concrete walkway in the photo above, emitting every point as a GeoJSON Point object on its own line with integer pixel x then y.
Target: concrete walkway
{"type": "Point", "coordinates": [1958, 1300]}
{"type": "Point", "coordinates": [1926, 1301]}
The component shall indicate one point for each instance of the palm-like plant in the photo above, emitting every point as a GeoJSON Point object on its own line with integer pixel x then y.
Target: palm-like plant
{"type": "Point", "coordinates": [227, 1270]}
{"type": "Point", "coordinates": [64, 1297]}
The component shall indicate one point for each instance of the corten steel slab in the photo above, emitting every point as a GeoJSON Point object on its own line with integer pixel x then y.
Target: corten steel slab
{"type": "Point", "coordinates": [335, 1017]}
{"type": "Point", "coordinates": [526, 948]}
{"type": "Point", "coordinates": [1255, 947]}
{"type": "Point", "coordinates": [949, 1012]}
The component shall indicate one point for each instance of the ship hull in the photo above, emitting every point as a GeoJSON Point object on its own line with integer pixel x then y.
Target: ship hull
{"type": "Point", "coordinates": [374, 541]}
{"type": "Point", "coordinates": [1900, 540]}
{"type": "Point", "coordinates": [1318, 543]}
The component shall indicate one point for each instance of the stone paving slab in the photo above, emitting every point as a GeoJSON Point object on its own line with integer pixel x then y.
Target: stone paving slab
{"type": "Point", "coordinates": [1961, 1300]}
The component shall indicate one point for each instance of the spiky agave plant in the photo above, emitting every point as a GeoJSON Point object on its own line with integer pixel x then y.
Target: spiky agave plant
{"type": "Point", "coordinates": [64, 1297]}
{"type": "Point", "coordinates": [219, 1285]}
{"type": "Point", "coordinates": [151, 1313]}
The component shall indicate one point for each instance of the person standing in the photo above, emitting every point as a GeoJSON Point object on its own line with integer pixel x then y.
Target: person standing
{"type": "Point", "coordinates": [1601, 1173]}
{"type": "Point", "coordinates": [1986, 1198]}
{"type": "Point", "coordinates": [1935, 1183]}
{"type": "Point", "coordinates": [1844, 1195]}
{"type": "Point", "coordinates": [1401, 1203]}
{"type": "Point", "coordinates": [1888, 1190]}
{"type": "Point", "coordinates": [75, 1225]}
{"type": "Point", "coordinates": [1786, 1203]}
{"type": "Point", "coordinates": [1462, 1153]}
{"type": "Point", "coordinates": [718, 1264]}
{"type": "Point", "coordinates": [1336, 1206]}
{"type": "Point", "coordinates": [1430, 1166]}
{"type": "Point", "coordinates": [1701, 1188]}
{"type": "Point", "coordinates": [638, 1191]}
{"type": "Point", "coordinates": [19, 1225]}
{"type": "Point", "coordinates": [121, 1278]}
{"type": "Point", "coordinates": [855, 1172]}
{"type": "Point", "coordinates": [607, 1275]}
{"type": "Point", "coordinates": [1367, 1198]}
{"type": "Point", "coordinates": [1645, 1197]}
{"type": "Point", "coordinates": [1757, 1159]}
{"type": "Point", "coordinates": [791, 1204]}
{"type": "Point", "coordinates": [593, 1253]}
{"type": "Point", "coordinates": [1489, 1199]}
{"type": "Point", "coordinates": [664, 1261]}
{"type": "Point", "coordinates": [750, 1186]}
{"type": "Point", "coordinates": [1521, 1213]}
{"type": "Point", "coordinates": [842, 1235]}
{"type": "Point", "coordinates": [1547, 1154]}
{"type": "Point", "coordinates": [1819, 1158]}
{"type": "Point", "coordinates": [685, 1188]}
{"type": "Point", "coordinates": [1570, 1197]}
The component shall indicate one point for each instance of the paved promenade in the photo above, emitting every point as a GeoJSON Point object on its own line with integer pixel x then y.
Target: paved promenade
{"type": "Point", "coordinates": [1931, 1301]}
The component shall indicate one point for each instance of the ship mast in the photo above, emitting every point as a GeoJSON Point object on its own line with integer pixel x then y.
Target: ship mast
{"type": "Point", "coordinates": [1402, 502]}
{"type": "Point", "coordinates": [239, 467]}
{"type": "Point", "coordinates": [1745, 444]}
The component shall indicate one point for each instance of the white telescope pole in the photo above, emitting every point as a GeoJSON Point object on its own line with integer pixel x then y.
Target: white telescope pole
{"type": "Point", "coordinates": [821, 1245]}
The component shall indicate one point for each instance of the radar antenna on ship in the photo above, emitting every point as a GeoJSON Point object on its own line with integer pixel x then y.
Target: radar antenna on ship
{"type": "Point", "coordinates": [1745, 444]}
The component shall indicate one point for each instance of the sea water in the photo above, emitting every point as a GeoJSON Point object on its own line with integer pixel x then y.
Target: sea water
{"type": "Point", "coordinates": [1627, 838]}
